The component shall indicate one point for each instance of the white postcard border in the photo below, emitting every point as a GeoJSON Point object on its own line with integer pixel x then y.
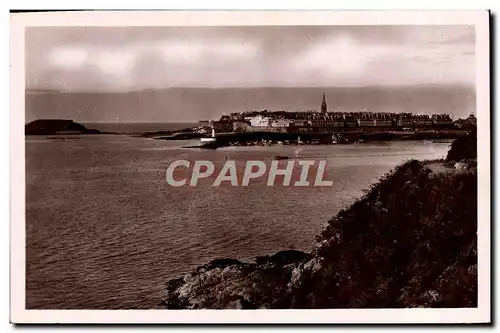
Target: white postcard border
{"type": "Point", "coordinates": [477, 18]}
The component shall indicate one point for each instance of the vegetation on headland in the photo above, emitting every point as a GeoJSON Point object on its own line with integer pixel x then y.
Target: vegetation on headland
{"type": "Point", "coordinates": [464, 148]}
{"type": "Point", "coordinates": [410, 241]}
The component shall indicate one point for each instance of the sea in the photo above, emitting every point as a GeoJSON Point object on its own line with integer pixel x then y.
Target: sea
{"type": "Point", "coordinates": [138, 127]}
{"type": "Point", "coordinates": [104, 230]}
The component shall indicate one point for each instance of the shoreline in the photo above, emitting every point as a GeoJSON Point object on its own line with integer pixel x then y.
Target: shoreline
{"type": "Point", "coordinates": [271, 138]}
{"type": "Point", "coordinates": [61, 127]}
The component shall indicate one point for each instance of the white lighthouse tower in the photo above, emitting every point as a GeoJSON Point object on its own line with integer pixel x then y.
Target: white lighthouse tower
{"type": "Point", "coordinates": [210, 139]}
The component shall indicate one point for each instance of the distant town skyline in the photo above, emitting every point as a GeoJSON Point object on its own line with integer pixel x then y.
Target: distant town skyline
{"type": "Point", "coordinates": [120, 59]}
{"type": "Point", "coordinates": [190, 104]}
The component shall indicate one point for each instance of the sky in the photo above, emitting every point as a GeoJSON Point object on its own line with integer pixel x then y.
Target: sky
{"type": "Point", "coordinates": [118, 59]}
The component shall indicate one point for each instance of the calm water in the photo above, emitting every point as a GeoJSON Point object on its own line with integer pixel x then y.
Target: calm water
{"type": "Point", "coordinates": [129, 128]}
{"type": "Point", "coordinates": [104, 230]}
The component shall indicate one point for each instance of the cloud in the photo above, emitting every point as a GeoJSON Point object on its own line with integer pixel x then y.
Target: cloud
{"type": "Point", "coordinates": [70, 58]}
{"type": "Point", "coordinates": [259, 56]}
{"type": "Point", "coordinates": [343, 60]}
{"type": "Point", "coordinates": [180, 51]}
{"type": "Point", "coordinates": [204, 50]}
{"type": "Point", "coordinates": [188, 59]}
{"type": "Point", "coordinates": [339, 56]}
{"type": "Point", "coordinates": [236, 50]}
{"type": "Point", "coordinates": [115, 62]}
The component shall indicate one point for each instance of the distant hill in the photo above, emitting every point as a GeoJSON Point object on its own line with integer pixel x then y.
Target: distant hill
{"type": "Point", "coordinates": [56, 126]}
{"type": "Point", "coordinates": [193, 104]}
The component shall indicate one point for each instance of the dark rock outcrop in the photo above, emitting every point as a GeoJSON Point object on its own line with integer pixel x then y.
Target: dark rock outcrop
{"type": "Point", "coordinates": [56, 126]}
{"type": "Point", "coordinates": [229, 283]}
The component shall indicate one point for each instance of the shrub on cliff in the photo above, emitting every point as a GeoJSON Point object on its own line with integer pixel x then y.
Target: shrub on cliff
{"type": "Point", "coordinates": [410, 241]}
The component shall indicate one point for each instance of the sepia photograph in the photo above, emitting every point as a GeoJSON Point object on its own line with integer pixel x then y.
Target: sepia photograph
{"type": "Point", "coordinates": [332, 164]}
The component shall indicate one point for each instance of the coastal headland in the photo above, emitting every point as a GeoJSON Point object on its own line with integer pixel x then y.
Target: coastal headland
{"type": "Point", "coordinates": [410, 241]}
{"type": "Point", "coordinates": [312, 127]}
{"type": "Point", "coordinates": [290, 127]}
{"type": "Point", "coordinates": [67, 127]}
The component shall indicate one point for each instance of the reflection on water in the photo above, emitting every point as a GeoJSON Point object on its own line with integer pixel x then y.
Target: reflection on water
{"type": "Point", "coordinates": [104, 230]}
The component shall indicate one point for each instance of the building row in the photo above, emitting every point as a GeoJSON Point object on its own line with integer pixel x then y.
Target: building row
{"type": "Point", "coordinates": [329, 121]}
{"type": "Point", "coordinates": [326, 116]}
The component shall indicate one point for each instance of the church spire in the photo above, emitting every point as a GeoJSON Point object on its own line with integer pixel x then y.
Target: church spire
{"type": "Point", "coordinates": [323, 104]}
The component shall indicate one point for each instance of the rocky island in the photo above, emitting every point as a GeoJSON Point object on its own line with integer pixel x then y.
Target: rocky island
{"type": "Point", "coordinates": [410, 241]}
{"type": "Point", "coordinates": [57, 126]}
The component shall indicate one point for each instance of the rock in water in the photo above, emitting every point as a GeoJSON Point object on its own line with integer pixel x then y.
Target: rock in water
{"type": "Point", "coordinates": [232, 284]}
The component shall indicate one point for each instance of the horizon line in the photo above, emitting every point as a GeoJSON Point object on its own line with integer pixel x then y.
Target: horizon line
{"type": "Point", "coordinates": [443, 85]}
